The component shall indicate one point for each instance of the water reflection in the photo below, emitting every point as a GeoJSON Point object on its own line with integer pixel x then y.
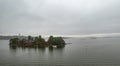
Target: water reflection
{"type": "Point", "coordinates": [47, 51]}
{"type": "Point", "coordinates": [35, 48]}
{"type": "Point", "coordinates": [56, 52]}
{"type": "Point", "coordinates": [13, 49]}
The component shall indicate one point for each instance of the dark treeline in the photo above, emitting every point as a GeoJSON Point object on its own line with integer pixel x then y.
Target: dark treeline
{"type": "Point", "coordinates": [37, 42]}
{"type": "Point", "coordinates": [16, 36]}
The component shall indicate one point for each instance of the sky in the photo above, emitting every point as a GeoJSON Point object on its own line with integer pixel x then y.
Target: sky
{"type": "Point", "coordinates": [59, 17]}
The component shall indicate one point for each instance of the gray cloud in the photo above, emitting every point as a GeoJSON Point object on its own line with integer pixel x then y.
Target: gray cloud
{"type": "Point", "coordinates": [59, 16]}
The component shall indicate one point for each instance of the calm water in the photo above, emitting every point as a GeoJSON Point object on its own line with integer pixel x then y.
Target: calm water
{"type": "Point", "coordinates": [82, 52]}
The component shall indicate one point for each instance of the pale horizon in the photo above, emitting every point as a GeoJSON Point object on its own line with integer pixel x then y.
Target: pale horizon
{"type": "Point", "coordinates": [77, 36]}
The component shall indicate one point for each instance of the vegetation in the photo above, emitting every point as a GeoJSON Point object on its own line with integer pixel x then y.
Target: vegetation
{"type": "Point", "coordinates": [56, 40]}
{"type": "Point", "coordinates": [37, 42]}
{"type": "Point", "coordinates": [14, 41]}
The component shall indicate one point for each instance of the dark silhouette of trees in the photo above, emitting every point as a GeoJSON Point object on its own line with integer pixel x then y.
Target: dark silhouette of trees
{"type": "Point", "coordinates": [50, 40]}
{"type": "Point", "coordinates": [14, 41]}
{"type": "Point", "coordinates": [56, 40]}
{"type": "Point", "coordinates": [37, 41]}
{"type": "Point", "coordinates": [30, 38]}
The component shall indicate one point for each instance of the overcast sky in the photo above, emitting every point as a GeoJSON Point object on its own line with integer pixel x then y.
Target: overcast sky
{"type": "Point", "coordinates": [59, 17]}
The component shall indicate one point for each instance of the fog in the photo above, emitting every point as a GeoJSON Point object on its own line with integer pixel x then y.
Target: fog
{"type": "Point", "coordinates": [59, 17]}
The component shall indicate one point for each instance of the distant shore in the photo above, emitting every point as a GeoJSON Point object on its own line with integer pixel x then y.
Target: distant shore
{"type": "Point", "coordinates": [64, 37]}
{"type": "Point", "coordinates": [10, 37]}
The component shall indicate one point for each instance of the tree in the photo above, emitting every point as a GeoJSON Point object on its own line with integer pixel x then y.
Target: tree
{"type": "Point", "coordinates": [14, 41]}
{"type": "Point", "coordinates": [30, 38]}
{"type": "Point", "coordinates": [56, 40]}
{"type": "Point", "coordinates": [50, 40]}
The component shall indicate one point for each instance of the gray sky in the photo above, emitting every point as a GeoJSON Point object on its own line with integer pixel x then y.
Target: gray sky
{"type": "Point", "coordinates": [59, 17]}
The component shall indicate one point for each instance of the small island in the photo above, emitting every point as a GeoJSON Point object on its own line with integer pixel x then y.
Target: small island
{"type": "Point", "coordinates": [37, 42]}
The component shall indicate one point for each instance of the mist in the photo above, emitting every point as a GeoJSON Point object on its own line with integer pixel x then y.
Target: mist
{"type": "Point", "coordinates": [59, 17]}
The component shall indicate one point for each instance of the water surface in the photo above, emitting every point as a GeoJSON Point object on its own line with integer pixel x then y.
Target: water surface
{"type": "Point", "coordinates": [82, 52]}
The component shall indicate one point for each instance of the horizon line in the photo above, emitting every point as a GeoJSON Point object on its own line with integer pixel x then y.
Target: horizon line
{"type": "Point", "coordinates": [74, 35]}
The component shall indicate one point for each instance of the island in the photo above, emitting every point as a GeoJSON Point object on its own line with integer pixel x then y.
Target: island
{"type": "Point", "coordinates": [37, 42]}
